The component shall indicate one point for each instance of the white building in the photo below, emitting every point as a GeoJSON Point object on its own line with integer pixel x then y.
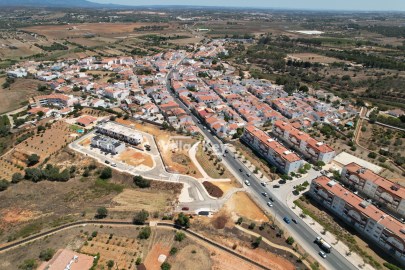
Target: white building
{"type": "Point", "coordinates": [120, 132]}
{"type": "Point", "coordinates": [107, 144]}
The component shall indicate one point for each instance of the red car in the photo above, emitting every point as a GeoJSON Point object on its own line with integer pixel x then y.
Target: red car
{"type": "Point", "coordinates": [185, 208]}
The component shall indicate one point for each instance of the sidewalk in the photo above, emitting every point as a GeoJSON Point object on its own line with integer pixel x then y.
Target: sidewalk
{"type": "Point", "coordinates": [340, 247]}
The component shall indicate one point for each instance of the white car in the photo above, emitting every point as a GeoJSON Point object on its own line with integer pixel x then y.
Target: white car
{"type": "Point", "coordinates": [114, 164]}
{"type": "Point", "coordinates": [247, 182]}
{"type": "Point", "coordinates": [322, 254]}
{"type": "Point", "coordinates": [269, 204]}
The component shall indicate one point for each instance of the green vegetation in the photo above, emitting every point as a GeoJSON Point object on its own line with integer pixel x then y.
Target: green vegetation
{"type": "Point", "coordinates": [165, 266]}
{"type": "Point", "coordinates": [102, 212]}
{"type": "Point", "coordinates": [183, 220]}
{"type": "Point", "coordinates": [32, 160]}
{"type": "Point", "coordinates": [145, 233]}
{"type": "Point", "coordinates": [256, 242]}
{"type": "Point", "coordinates": [141, 182]}
{"type": "Point", "coordinates": [46, 254]}
{"type": "Point", "coordinates": [140, 217]}
{"type": "Point", "coordinates": [106, 173]}
{"type": "Point", "coordinates": [173, 251]}
{"type": "Point", "coordinates": [179, 236]}
{"type": "Point", "coordinates": [29, 264]}
{"type": "Point", "coordinates": [54, 47]}
{"type": "Point", "coordinates": [106, 187]}
{"type": "Point", "coordinates": [290, 240]}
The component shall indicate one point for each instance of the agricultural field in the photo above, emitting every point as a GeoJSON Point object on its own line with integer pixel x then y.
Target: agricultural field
{"type": "Point", "coordinates": [18, 93]}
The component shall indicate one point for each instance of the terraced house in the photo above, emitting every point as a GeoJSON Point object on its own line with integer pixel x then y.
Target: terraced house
{"type": "Point", "coordinates": [302, 142]}
{"type": "Point", "coordinates": [376, 187]}
{"type": "Point", "coordinates": [275, 153]}
{"type": "Point", "coordinates": [373, 223]}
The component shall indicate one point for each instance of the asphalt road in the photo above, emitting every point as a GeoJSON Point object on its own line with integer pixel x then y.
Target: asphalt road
{"type": "Point", "coordinates": [302, 233]}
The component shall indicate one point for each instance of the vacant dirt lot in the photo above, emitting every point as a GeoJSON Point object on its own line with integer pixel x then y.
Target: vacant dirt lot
{"type": "Point", "coordinates": [21, 90]}
{"type": "Point", "coordinates": [242, 205]}
{"type": "Point", "coordinates": [135, 158]}
{"type": "Point", "coordinates": [158, 249]}
{"type": "Point", "coordinates": [193, 257]}
{"type": "Point", "coordinates": [136, 199]}
{"type": "Point", "coordinates": [313, 57]}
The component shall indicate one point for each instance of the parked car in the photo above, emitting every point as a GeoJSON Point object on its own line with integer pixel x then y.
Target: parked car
{"type": "Point", "coordinates": [269, 204]}
{"type": "Point", "coordinates": [248, 174]}
{"type": "Point", "coordinates": [185, 208]}
{"type": "Point", "coordinates": [247, 182]}
{"type": "Point", "coordinates": [271, 199]}
{"type": "Point", "coordinates": [240, 169]}
{"type": "Point", "coordinates": [106, 162]}
{"type": "Point", "coordinates": [322, 254]}
{"type": "Point", "coordinates": [114, 164]}
{"type": "Point", "coordinates": [276, 186]}
{"type": "Point", "coordinates": [287, 220]}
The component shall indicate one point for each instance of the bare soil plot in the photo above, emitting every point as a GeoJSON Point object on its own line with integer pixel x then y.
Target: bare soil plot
{"type": "Point", "coordinates": [21, 90]}
{"type": "Point", "coordinates": [242, 205]}
{"type": "Point", "coordinates": [48, 142]}
{"type": "Point", "coordinates": [226, 186]}
{"type": "Point", "coordinates": [135, 158]}
{"type": "Point", "coordinates": [152, 259]}
{"type": "Point", "coordinates": [211, 164]}
{"type": "Point", "coordinates": [313, 57]}
{"type": "Point", "coordinates": [135, 200]}
{"type": "Point", "coordinates": [193, 257]}
{"type": "Point", "coordinates": [212, 189]}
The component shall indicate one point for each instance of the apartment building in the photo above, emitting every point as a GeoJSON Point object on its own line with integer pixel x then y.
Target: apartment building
{"type": "Point", "coordinates": [373, 223]}
{"type": "Point", "coordinates": [284, 159]}
{"type": "Point", "coordinates": [120, 132]}
{"type": "Point", "coordinates": [302, 142]}
{"type": "Point", "coordinates": [107, 144]}
{"type": "Point", "coordinates": [376, 187]}
{"type": "Point", "coordinates": [58, 100]}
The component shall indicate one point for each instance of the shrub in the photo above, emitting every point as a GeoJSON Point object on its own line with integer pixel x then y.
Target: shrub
{"type": "Point", "coordinates": [32, 160]}
{"type": "Point", "coordinates": [102, 212]}
{"type": "Point", "coordinates": [372, 155]}
{"type": "Point", "coordinates": [252, 226]}
{"type": "Point", "coordinates": [239, 221]}
{"type": "Point", "coordinates": [140, 217]}
{"type": "Point", "coordinates": [4, 185]}
{"type": "Point", "coordinates": [173, 251]}
{"type": "Point", "coordinates": [144, 233]}
{"type": "Point", "coordinates": [256, 242]}
{"type": "Point", "coordinates": [110, 263]}
{"type": "Point", "coordinates": [106, 173]}
{"type": "Point", "coordinates": [290, 240]}
{"type": "Point", "coordinates": [29, 264]}
{"type": "Point", "coordinates": [391, 266]}
{"type": "Point", "coordinates": [179, 236]}
{"type": "Point", "coordinates": [17, 177]}
{"type": "Point", "coordinates": [138, 261]}
{"type": "Point", "coordinates": [46, 254]}
{"type": "Point", "coordinates": [165, 266]}
{"type": "Point", "coordinates": [94, 234]}
{"type": "Point", "coordinates": [141, 182]}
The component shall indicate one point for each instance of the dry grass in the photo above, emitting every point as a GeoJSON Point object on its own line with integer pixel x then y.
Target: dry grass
{"type": "Point", "coordinates": [135, 200]}
{"type": "Point", "coordinates": [242, 205]}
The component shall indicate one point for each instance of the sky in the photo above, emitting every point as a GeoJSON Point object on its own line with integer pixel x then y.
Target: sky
{"type": "Point", "coordinates": [375, 5]}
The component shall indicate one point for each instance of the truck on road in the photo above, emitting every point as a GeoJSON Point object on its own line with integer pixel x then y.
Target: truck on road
{"type": "Point", "coordinates": [323, 244]}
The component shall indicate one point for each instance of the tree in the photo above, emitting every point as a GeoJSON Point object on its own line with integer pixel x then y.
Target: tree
{"type": "Point", "coordinates": [4, 184]}
{"type": "Point", "coordinates": [239, 221]}
{"type": "Point", "coordinates": [40, 114]}
{"type": "Point", "coordinates": [304, 88]}
{"type": "Point", "coordinates": [320, 163]}
{"type": "Point", "coordinates": [290, 240]}
{"type": "Point", "coordinates": [179, 236]}
{"type": "Point", "coordinates": [110, 264]}
{"type": "Point", "coordinates": [144, 233]}
{"type": "Point", "coordinates": [46, 254]}
{"type": "Point", "coordinates": [165, 266]}
{"type": "Point", "coordinates": [33, 174]}
{"type": "Point", "coordinates": [102, 212]}
{"type": "Point", "coordinates": [183, 220]}
{"type": "Point", "coordinates": [140, 217]}
{"type": "Point", "coordinates": [173, 251]}
{"type": "Point", "coordinates": [106, 173]}
{"type": "Point", "coordinates": [32, 160]}
{"type": "Point", "coordinates": [256, 242]}
{"type": "Point", "coordinates": [141, 182]}
{"type": "Point", "coordinates": [372, 155]}
{"type": "Point", "coordinates": [17, 177]}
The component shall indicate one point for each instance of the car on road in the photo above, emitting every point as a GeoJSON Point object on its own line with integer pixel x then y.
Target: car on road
{"type": "Point", "coordinates": [240, 169]}
{"type": "Point", "coordinates": [114, 164]}
{"type": "Point", "coordinates": [263, 184]}
{"type": "Point", "coordinates": [269, 204]}
{"type": "Point", "coordinates": [247, 182]}
{"type": "Point", "coordinates": [276, 186]}
{"type": "Point", "coordinates": [185, 208]}
{"type": "Point", "coordinates": [248, 174]}
{"type": "Point", "coordinates": [224, 155]}
{"type": "Point", "coordinates": [264, 194]}
{"type": "Point", "coordinates": [294, 220]}
{"type": "Point", "coordinates": [322, 254]}
{"type": "Point", "coordinates": [226, 151]}
{"type": "Point", "coordinates": [271, 199]}
{"type": "Point", "coordinates": [106, 162]}
{"type": "Point", "coordinates": [287, 220]}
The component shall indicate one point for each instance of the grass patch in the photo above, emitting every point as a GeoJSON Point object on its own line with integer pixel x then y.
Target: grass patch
{"type": "Point", "coordinates": [61, 220]}
{"type": "Point", "coordinates": [106, 187]}
{"type": "Point", "coordinates": [28, 230]}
